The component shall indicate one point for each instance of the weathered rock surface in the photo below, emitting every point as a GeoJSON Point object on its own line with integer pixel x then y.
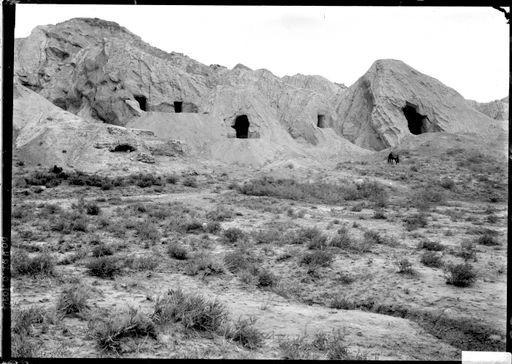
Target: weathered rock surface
{"type": "Point", "coordinates": [99, 72]}
{"type": "Point", "coordinates": [371, 111]}
{"type": "Point", "coordinates": [48, 135]}
{"type": "Point", "coordinates": [497, 109]}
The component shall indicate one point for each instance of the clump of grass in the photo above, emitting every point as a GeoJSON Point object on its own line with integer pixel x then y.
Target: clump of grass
{"type": "Point", "coordinates": [431, 259]}
{"type": "Point", "coordinates": [342, 239]}
{"type": "Point", "coordinates": [266, 278]}
{"type": "Point", "coordinates": [319, 258]}
{"type": "Point", "coordinates": [487, 240]}
{"type": "Point", "coordinates": [342, 303]}
{"type": "Point", "coordinates": [431, 245]}
{"type": "Point", "coordinates": [147, 230]}
{"type": "Point", "coordinates": [336, 347]}
{"type": "Point", "coordinates": [427, 197]}
{"type": "Point", "coordinates": [447, 183]}
{"type": "Point", "coordinates": [203, 263]}
{"type": "Point", "coordinates": [415, 221]}
{"type": "Point", "coordinates": [243, 332]}
{"type": "Point", "coordinates": [460, 275]}
{"type": "Point", "coordinates": [110, 333]}
{"type": "Point", "coordinates": [177, 251]}
{"type": "Point", "coordinates": [213, 227]}
{"type": "Point", "coordinates": [467, 251]}
{"type": "Point", "coordinates": [142, 263]}
{"type": "Point", "coordinates": [104, 266]}
{"type": "Point", "coordinates": [172, 179]}
{"type": "Point", "coordinates": [192, 311]}
{"type": "Point", "coordinates": [101, 250]}
{"type": "Point", "coordinates": [193, 227]}
{"type": "Point", "coordinates": [39, 264]}
{"type": "Point", "coordinates": [239, 260]}
{"type": "Point", "coordinates": [73, 300]}
{"type": "Point", "coordinates": [311, 236]}
{"type": "Point", "coordinates": [232, 235]}
{"type": "Point", "coordinates": [267, 236]}
{"type": "Point", "coordinates": [404, 266]}
{"type": "Point", "coordinates": [22, 331]}
{"type": "Point", "coordinates": [296, 349]}
{"type": "Point", "coordinates": [372, 237]}
{"type": "Point", "coordinates": [190, 181]}
{"type": "Point", "coordinates": [220, 213]}
{"type": "Point", "coordinates": [379, 214]}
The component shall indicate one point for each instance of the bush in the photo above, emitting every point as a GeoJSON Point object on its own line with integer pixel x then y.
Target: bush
{"type": "Point", "coordinates": [372, 237]}
{"type": "Point", "coordinates": [460, 275]}
{"type": "Point", "coordinates": [92, 209]}
{"type": "Point", "coordinates": [379, 214]}
{"type": "Point", "coordinates": [39, 264]}
{"type": "Point", "coordinates": [221, 213]}
{"type": "Point", "coordinates": [109, 334]}
{"type": "Point", "coordinates": [101, 250]}
{"type": "Point", "coordinates": [205, 264]}
{"type": "Point", "coordinates": [177, 251]}
{"type": "Point", "coordinates": [232, 235]}
{"type": "Point", "coordinates": [317, 258]}
{"type": "Point", "coordinates": [193, 311]}
{"type": "Point", "coordinates": [404, 266]}
{"type": "Point", "coordinates": [141, 263]}
{"type": "Point", "coordinates": [341, 240]}
{"type": "Point", "coordinates": [342, 303]}
{"type": "Point", "coordinates": [193, 227]}
{"type": "Point", "coordinates": [190, 181]}
{"type": "Point", "coordinates": [431, 259]}
{"type": "Point", "coordinates": [146, 230]}
{"type": "Point", "coordinates": [431, 245]}
{"type": "Point", "coordinates": [336, 347]}
{"type": "Point", "coordinates": [73, 300]}
{"type": "Point", "coordinates": [296, 349]}
{"type": "Point", "coordinates": [467, 251]}
{"type": "Point", "coordinates": [447, 183]}
{"type": "Point", "coordinates": [266, 279]}
{"type": "Point", "coordinates": [213, 227]}
{"type": "Point", "coordinates": [238, 260]}
{"type": "Point", "coordinates": [425, 198]}
{"type": "Point", "coordinates": [244, 333]}
{"type": "Point", "coordinates": [269, 236]}
{"type": "Point", "coordinates": [487, 240]}
{"type": "Point", "coordinates": [172, 179]}
{"type": "Point", "coordinates": [103, 267]}
{"type": "Point", "coordinates": [415, 221]}
{"type": "Point", "coordinates": [311, 236]}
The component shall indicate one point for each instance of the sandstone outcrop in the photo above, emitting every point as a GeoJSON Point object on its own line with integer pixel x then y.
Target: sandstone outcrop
{"type": "Point", "coordinates": [497, 109]}
{"type": "Point", "coordinates": [372, 112]}
{"type": "Point", "coordinates": [100, 78]}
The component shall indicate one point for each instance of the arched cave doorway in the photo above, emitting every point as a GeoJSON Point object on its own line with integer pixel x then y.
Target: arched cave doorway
{"type": "Point", "coordinates": [142, 102]}
{"type": "Point", "coordinates": [321, 121]}
{"type": "Point", "coordinates": [178, 106]}
{"type": "Point", "coordinates": [415, 121]}
{"type": "Point", "coordinates": [242, 126]}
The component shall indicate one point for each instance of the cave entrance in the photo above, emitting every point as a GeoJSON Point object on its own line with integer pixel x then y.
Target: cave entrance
{"type": "Point", "coordinates": [142, 102]}
{"type": "Point", "coordinates": [178, 106]}
{"type": "Point", "coordinates": [124, 148]}
{"type": "Point", "coordinates": [416, 122]}
{"type": "Point", "coordinates": [242, 126]}
{"type": "Point", "coordinates": [321, 121]}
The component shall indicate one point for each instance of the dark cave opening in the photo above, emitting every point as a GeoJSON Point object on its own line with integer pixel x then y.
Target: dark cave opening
{"type": "Point", "coordinates": [321, 121]}
{"type": "Point", "coordinates": [142, 102]}
{"type": "Point", "coordinates": [242, 126]}
{"type": "Point", "coordinates": [415, 121]}
{"type": "Point", "coordinates": [124, 148]}
{"type": "Point", "coordinates": [178, 106]}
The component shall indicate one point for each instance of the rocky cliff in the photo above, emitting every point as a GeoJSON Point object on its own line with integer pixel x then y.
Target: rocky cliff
{"type": "Point", "coordinates": [497, 109]}
{"type": "Point", "coordinates": [101, 73]}
{"type": "Point", "coordinates": [392, 100]}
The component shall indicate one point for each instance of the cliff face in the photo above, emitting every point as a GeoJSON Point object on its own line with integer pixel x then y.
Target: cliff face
{"type": "Point", "coordinates": [102, 73]}
{"type": "Point", "coordinates": [497, 109]}
{"type": "Point", "coordinates": [393, 100]}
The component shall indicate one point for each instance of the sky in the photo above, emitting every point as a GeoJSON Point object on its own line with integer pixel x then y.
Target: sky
{"type": "Point", "coordinates": [466, 48]}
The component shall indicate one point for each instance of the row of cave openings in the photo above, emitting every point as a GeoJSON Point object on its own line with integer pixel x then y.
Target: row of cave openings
{"type": "Point", "coordinates": [178, 105]}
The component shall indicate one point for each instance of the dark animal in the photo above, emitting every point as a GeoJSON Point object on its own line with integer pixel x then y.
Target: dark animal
{"type": "Point", "coordinates": [393, 156]}
{"type": "Point", "coordinates": [56, 170]}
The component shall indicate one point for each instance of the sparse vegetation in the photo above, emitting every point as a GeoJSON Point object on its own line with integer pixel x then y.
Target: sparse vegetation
{"type": "Point", "coordinates": [192, 311]}
{"type": "Point", "coordinates": [431, 259]}
{"type": "Point", "coordinates": [460, 275]}
{"type": "Point", "coordinates": [40, 264]}
{"type": "Point", "coordinates": [104, 266]}
{"type": "Point", "coordinates": [243, 332]}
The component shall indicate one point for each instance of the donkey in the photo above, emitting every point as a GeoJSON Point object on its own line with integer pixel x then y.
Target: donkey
{"type": "Point", "coordinates": [393, 156]}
